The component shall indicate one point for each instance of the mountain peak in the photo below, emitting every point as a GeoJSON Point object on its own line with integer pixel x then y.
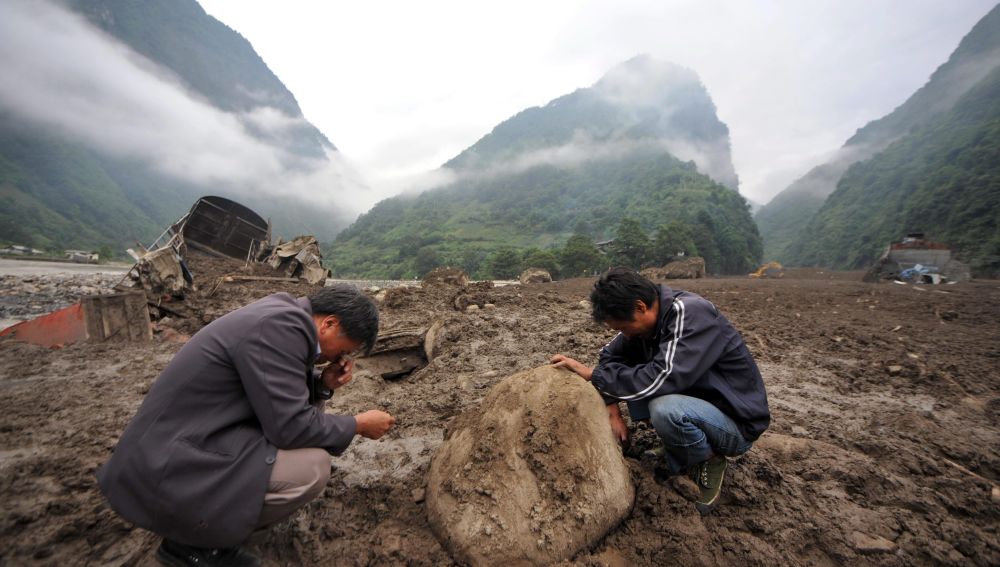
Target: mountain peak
{"type": "Point", "coordinates": [641, 103]}
{"type": "Point", "coordinates": [645, 81]}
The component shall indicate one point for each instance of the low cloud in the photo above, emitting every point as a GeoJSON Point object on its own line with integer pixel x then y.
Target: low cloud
{"type": "Point", "coordinates": [63, 74]}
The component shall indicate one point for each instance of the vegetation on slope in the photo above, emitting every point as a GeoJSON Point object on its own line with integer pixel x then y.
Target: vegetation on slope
{"type": "Point", "coordinates": [468, 222]}
{"type": "Point", "coordinates": [782, 221]}
{"type": "Point", "coordinates": [943, 178]}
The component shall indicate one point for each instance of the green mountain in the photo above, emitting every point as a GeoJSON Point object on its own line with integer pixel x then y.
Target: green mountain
{"type": "Point", "coordinates": [783, 220]}
{"type": "Point", "coordinates": [943, 178]}
{"type": "Point", "coordinates": [580, 164]}
{"type": "Point", "coordinates": [62, 191]}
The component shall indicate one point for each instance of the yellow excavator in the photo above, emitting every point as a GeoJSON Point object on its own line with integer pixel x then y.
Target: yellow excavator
{"type": "Point", "coordinates": [769, 270]}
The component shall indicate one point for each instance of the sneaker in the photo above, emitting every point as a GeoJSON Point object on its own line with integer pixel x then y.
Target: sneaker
{"type": "Point", "coordinates": [708, 476]}
{"type": "Point", "coordinates": [179, 555]}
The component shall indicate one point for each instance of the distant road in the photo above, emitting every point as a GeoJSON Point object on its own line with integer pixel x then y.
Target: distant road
{"type": "Point", "coordinates": [36, 268]}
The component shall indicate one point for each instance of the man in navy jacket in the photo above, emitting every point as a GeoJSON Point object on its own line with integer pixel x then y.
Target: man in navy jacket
{"type": "Point", "coordinates": [679, 363]}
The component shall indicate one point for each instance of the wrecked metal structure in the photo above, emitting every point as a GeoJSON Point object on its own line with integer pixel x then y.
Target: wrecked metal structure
{"type": "Point", "coordinates": [170, 281]}
{"type": "Point", "coordinates": [916, 259]}
{"type": "Point", "coordinates": [220, 227]}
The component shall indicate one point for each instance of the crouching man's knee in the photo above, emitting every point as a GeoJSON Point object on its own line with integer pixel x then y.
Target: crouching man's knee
{"type": "Point", "coordinates": [297, 478]}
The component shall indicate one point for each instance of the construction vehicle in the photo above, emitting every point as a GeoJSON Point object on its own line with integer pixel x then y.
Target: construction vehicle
{"type": "Point", "coordinates": [769, 270]}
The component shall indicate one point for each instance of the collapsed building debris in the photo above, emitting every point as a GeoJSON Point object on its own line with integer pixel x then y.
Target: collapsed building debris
{"type": "Point", "coordinates": [299, 257]}
{"type": "Point", "coordinates": [227, 243]}
{"type": "Point", "coordinates": [916, 259]}
{"type": "Point", "coordinates": [120, 316]}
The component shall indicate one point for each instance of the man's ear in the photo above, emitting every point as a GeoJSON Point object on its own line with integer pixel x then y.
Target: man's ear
{"type": "Point", "coordinates": [330, 322]}
{"type": "Point", "coordinates": [640, 307]}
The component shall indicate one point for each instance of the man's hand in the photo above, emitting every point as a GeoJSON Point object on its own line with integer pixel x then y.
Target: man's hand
{"type": "Point", "coordinates": [618, 426]}
{"type": "Point", "coordinates": [373, 423]}
{"type": "Point", "coordinates": [338, 373]}
{"type": "Point", "coordinates": [562, 361]}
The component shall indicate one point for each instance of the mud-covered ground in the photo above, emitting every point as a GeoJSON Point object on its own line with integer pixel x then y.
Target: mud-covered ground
{"type": "Point", "coordinates": [884, 446]}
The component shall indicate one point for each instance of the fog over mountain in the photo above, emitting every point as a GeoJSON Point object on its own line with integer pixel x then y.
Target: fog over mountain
{"type": "Point", "coordinates": [80, 84]}
{"type": "Point", "coordinates": [639, 103]}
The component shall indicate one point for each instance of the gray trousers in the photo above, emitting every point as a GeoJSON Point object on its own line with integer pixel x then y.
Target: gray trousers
{"type": "Point", "coordinates": [297, 477]}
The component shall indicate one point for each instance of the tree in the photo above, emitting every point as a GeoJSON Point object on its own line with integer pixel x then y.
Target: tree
{"type": "Point", "coordinates": [544, 259]}
{"type": "Point", "coordinates": [579, 257]}
{"type": "Point", "coordinates": [504, 263]}
{"type": "Point", "coordinates": [631, 244]}
{"type": "Point", "coordinates": [104, 254]}
{"type": "Point", "coordinates": [426, 260]}
{"type": "Point", "coordinates": [671, 240]}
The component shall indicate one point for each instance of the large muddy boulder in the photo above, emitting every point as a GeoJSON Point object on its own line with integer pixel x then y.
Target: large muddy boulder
{"type": "Point", "coordinates": [445, 276]}
{"type": "Point", "coordinates": [689, 268]}
{"type": "Point", "coordinates": [530, 476]}
{"type": "Point", "coordinates": [535, 275]}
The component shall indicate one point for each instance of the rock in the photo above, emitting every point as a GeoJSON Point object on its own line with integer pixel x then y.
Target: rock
{"type": "Point", "coordinates": [799, 431]}
{"type": "Point", "coordinates": [472, 308]}
{"type": "Point", "coordinates": [894, 369]}
{"type": "Point", "coordinates": [584, 304]}
{"type": "Point", "coordinates": [690, 268]}
{"type": "Point", "coordinates": [535, 275]}
{"type": "Point", "coordinates": [489, 306]}
{"type": "Point", "coordinates": [418, 495]}
{"type": "Point", "coordinates": [867, 544]}
{"type": "Point", "coordinates": [445, 276]}
{"type": "Point", "coordinates": [530, 476]}
{"type": "Point", "coordinates": [432, 339]}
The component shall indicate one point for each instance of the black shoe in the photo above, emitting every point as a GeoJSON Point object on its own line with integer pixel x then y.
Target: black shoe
{"type": "Point", "coordinates": [179, 555]}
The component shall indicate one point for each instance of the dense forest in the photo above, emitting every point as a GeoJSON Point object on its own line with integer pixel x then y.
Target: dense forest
{"type": "Point", "coordinates": [468, 223]}
{"type": "Point", "coordinates": [943, 178]}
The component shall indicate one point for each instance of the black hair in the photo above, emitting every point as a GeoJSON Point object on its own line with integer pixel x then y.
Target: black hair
{"type": "Point", "coordinates": [615, 293]}
{"type": "Point", "coordinates": [357, 312]}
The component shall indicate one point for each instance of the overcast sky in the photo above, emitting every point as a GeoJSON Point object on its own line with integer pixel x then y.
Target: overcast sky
{"type": "Point", "coordinates": [402, 86]}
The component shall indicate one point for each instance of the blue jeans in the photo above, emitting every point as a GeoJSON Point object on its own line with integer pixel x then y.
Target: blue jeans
{"type": "Point", "coordinates": [692, 429]}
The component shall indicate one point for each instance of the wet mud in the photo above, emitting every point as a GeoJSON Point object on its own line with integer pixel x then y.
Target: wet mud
{"type": "Point", "coordinates": [884, 447]}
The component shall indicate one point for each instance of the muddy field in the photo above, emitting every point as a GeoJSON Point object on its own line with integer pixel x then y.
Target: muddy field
{"type": "Point", "coordinates": [884, 446]}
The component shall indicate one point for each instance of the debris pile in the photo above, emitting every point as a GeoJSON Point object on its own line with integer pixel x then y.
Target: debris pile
{"type": "Point", "coordinates": [183, 277]}
{"type": "Point", "coordinates": [918, 260]}
{"type": "Point", "coordinates": [28, 297]}
{"type": "Point", "coordinates": [299, 257]}
{"type": "Point", "coordinates": [689, 268]}
{"type": "Point", "coordinates": [445, 276]}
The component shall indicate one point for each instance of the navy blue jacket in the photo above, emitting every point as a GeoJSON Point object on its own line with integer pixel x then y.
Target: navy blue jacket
{"type": "Point", "coordinates": [695, 351]}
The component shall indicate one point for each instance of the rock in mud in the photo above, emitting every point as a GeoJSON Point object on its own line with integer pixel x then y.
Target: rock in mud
{"type": "Point", "coordinates": [445, 276]}
{"type": "Point", "coordinates": [535, 275]}
{"type": "Point", "coordinates": [530, 476]}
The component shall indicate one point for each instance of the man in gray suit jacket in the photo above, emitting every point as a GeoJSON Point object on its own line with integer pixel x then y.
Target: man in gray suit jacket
{"type": "Point", "coordinates": [232, 436]}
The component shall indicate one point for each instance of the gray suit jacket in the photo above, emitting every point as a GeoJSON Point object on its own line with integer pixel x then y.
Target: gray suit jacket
{"type": "Point", "coordinates": [194, 463]}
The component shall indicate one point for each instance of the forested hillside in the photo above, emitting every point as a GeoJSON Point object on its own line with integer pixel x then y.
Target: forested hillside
{"type": "Point", "coordinates": [577, 167]}
{"type": "Point", "coordinates": [60, 190]}
{"type": "Point", "coordinates": [942, 178]}
{"type": "Point", "coordinates": [783, 220]}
